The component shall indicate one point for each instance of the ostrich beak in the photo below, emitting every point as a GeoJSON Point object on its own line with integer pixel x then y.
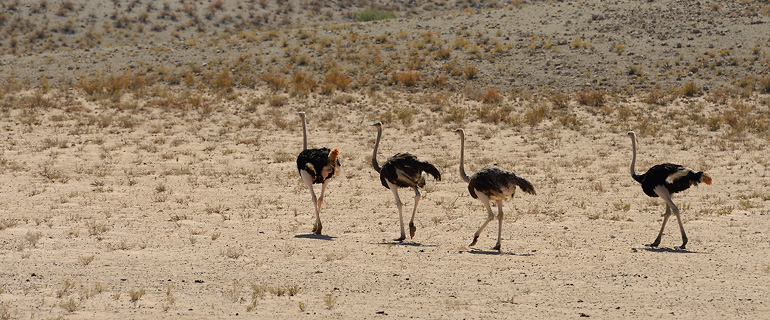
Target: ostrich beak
{"type": "Point", "coordinates": [706, 178]}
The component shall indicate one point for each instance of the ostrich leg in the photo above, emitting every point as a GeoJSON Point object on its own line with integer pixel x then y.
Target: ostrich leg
{"type": "Point", "coordinates": [400, 206]}
{"type": "Point", "coordinates": [681, 230]}
{"type": "Point", "coordinates": [490, 216]}
{"type": "Point", "coordinates": [500, 224]}
{"type": "Point", "coordinates": [318, 226]}
{"type": "Point", "coordinates": [417, 198]}
{"type": "Point", "coordinates": [663, 193]}
{"type": "Point", "coordinates": [309, 182]}
{"type": "Point", "coordinates": [660, 234]}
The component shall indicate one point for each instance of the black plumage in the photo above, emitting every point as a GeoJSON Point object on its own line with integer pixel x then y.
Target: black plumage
{"type": "Point", "coordinates": [311, 160]}
{"type": "Point", "coordinates": [497, 182]}
{"type": "Point", "coordinates": [662, 181]}
{"type": "Point", "coordinates": [491, 183]}
{"type": "Point", "coordinates": [675, 178]}
{"type": "Point", "coordinates": [403, 170]}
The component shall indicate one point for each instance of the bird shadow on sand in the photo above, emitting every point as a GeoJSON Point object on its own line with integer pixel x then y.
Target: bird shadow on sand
{"type": "Point", "coordinates": [661, 249]}
{"type": "Point", "coordinates": [492, 252]}
{"type": "Point", "coordinates": [314, 236]}
{"type": "Point", "coordinates": [406, 244]}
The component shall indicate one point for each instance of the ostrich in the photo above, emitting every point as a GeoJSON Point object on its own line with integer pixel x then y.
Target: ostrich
{"type": "Point", "coordinates": [403, 170]}
{"type": "Point", "coordinates": [316, 166]}
{"type": "Point", "coordinates": [491, 183]}
{"type": "Point", "coordinates": [663, 180]}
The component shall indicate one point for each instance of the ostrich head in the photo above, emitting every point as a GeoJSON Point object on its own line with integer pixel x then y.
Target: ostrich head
{"type": "Point", "coordinates": [377, 124]}
{"type": "Point", "coordinates": [459, 132]}
{"type": "Point", "coordinates": [333, 156]}
{"type": "Point", "coordinates": [705, 178]}
{"type": "Point", "coordinates": [332, 166]}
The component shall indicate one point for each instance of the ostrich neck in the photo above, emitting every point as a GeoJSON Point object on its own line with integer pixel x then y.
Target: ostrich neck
{"type": "Point", "coordinates": [633, 155]}
{"type": "Point", "coordinates": [374, 154]}
{"type": "Point", "coordinates": [462, 159]}
{"type": "Point", "coordinates": [304, 135]}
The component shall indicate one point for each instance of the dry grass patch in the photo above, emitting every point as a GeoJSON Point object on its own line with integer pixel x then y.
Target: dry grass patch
{"type": "Point", "coordinates": [592, 98]}
{"type": "Point", "coordinates": [336, 80]}
{"type": "Point", "coordinates": [406, 78]}
{"type": "Point", "coordinates": [536, 114]}
{"type": "Point", "coordinates": [689, 89]}
{"type": "Point", "coordinates": [135, 295]}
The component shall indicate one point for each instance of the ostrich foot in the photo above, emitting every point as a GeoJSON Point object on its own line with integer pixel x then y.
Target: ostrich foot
{"type": "Point", "coordinates": [412, 229]}
{"type": "Point", "coordinates": [497, 247]}
{"type": "Point", "coordinates": [680, 247]}
{"type": "Point", "coordinates": [401, 238]}
{"type": "Point", "coordinates": [474, 241]}
{"type": "Point", "coordinates": [317, 228]}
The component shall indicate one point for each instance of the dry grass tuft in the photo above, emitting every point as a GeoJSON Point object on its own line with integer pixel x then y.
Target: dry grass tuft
{"type": "Point", "coordinates": [592, 98]}
{"type": "Point", "coordinates": [689, 89]}
{"type": "Point", "coordinates": [655, 97]}
{"type": "Point", "coordinates": [406, 78]}
{"type": "Point", "coordinates": [274, 81]}
{"type": "Point", "coordinates": [536, 114]}
{"type": "Point", "coordinates": [491, 96]}
{"type": "Point", "coordinates": [337, 80]}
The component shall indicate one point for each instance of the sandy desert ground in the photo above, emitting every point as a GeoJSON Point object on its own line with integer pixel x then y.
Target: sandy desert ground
{"type": "Point", "coordinates": [130, 207]}
{"type": "Point", "coordinates": [210, 220]}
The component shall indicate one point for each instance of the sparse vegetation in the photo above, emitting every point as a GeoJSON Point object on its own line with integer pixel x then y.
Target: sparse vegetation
{"type": "Point", "coordinates": [374, 15]}
{"type": "Point", "coordinates": [592, 98]}
{"type": "Point", "coordinates": [135, 295]}
{"type": "Point", "coordinates": [330, 300]}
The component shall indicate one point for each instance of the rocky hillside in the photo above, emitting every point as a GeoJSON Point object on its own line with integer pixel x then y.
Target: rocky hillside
{"type": "Point", "coordinates": [619, 46]}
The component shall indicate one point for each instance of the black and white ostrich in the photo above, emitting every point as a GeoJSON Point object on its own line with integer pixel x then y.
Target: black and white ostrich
{"type": "Point", "coordinates": [491, 183]}
{"type": "Point", "coordinates": [663, 180]}
{"type": "Point", "coordinates": [317, 165]}
{"type": "Point", "coordinates": [403, 170]}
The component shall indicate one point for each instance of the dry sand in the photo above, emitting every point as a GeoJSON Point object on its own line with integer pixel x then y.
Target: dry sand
{"type": "Point", "coordinates": [187, 208]}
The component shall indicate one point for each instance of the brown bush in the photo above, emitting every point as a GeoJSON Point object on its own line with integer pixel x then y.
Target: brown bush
{"type": "Point", "coordinates": [303, 84]}
{"type": "Point", "coordinates": [763, 85]}
{"type": "Point", "coordinates": [470, 72]}
{"type": "Point", "coordinates": [274, 81]}
{"type": "Point", "coordinates": [593, 98]}
{"type": "Point", "coordinates": [491, 96]}
{"type": "Point", "coordinates": [690, 89]}
{"type": "Point", "coordinates": [536, 114]}
{"type": "Point", "coordinates": [224, 80]}
{"type": "Point", "coordinates": [277, 101]}
{"type": "Point", "coordinates": [559, 100]}
{"type": "Point", "coordinates": [655, 96]}
{"type": "Point", "coordinates": [443, 54]}
{"type": "Point", "coordinates": [339, 80]}
{"type": "Point", "coordinates": [406, 78]}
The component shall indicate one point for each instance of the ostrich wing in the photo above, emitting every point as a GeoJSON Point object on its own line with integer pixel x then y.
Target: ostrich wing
{"type": "Point", "coordinates": [405, 170]}
{"type": "Point", "coordinates": [498, 182]}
